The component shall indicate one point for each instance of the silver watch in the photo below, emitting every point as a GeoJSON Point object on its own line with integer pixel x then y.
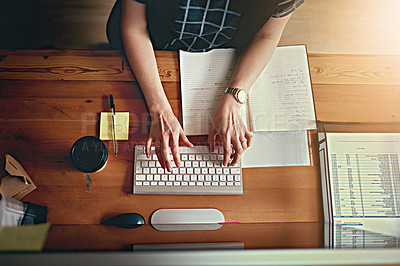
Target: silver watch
{"type": "Point", "coordinates": [239, 94]}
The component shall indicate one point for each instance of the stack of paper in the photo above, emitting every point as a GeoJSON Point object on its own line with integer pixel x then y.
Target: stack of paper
{"type": "Point", "coordinates": [279, 110]}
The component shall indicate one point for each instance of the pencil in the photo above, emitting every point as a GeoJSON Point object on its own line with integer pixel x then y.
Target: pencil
{"type": "Point", "coordinates": [112, 106]}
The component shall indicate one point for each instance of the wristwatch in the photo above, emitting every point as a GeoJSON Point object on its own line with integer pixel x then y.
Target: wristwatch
{"type": "Point", "coordinates": [239, 94]}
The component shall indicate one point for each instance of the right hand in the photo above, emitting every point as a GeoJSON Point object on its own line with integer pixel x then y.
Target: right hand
{"type": "Point", "coordinates": [165, 132]}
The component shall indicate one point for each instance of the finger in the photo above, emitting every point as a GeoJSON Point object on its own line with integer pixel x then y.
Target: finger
{"type": "Point", "coordinates": [159, 155]}
{"type": "Point", "coordinates": [148, 146]}
{"type": "Point", "coordinates": [212, 135]}
{"type": "Point", "coordinates": [165, 153]}
{"type": "Point", "coordinates": [185, 140]}
{"type": "Point", "coordinates": [174, 144]}
{"type": "Point", "coordinates": [249, 138]}
{"type": "Point", "coordinates": [237, 146]}
{"type": "Point", "coordinates": [227, 148]}
{"type": "Point", "coordinates": [243, 142]}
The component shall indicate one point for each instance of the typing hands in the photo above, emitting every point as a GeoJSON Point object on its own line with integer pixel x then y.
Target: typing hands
{"type": "Point", "coordinates": [166, 131]}
{"type": "Point", "coordinates": [229, 127]}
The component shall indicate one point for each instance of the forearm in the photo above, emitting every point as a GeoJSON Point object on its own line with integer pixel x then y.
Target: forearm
{"type": "Point", "coordinates": [140, 54]}
{"type": "Point", "coordinates": [257, 54]}
{"type": "Point", "coordinates": [252, 62]}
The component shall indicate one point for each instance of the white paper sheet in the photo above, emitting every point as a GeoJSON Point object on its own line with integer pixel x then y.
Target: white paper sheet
{"type": "Point", "coordinates": [280, 100]}
{"type": "Point", "coordinates": [277, 149]}
{"type": "Point", "coordinates": [204, 77]}
{"type": "Point", "coordinates": [364, 178]}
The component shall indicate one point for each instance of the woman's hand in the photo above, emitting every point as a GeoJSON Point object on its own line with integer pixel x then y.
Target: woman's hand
{"type": "Point", "coordinates": [229, 127]}
{"type": "Point", "coordinates": [165, 132]}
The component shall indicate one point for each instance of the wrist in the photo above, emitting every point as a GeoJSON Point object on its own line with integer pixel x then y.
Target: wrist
{"type": "Point", "coordinates": [159, 109]}
{"type": "Point", "coordinates": [230, 101]}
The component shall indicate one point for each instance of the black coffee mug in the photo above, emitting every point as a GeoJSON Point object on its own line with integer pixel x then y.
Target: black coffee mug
{"type": "Point", "coordinates": [89, 154]}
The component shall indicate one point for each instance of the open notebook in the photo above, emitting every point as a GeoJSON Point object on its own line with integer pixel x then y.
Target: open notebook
{"type": "Point", "coordinates": [280, 100]}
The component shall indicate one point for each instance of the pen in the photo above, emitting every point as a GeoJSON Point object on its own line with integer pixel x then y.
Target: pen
{"type": "Point", "coordinates": [112, 106]}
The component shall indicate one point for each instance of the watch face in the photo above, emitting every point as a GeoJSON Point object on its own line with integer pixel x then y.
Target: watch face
{"type": "Point", "coordinates": [241, 96]}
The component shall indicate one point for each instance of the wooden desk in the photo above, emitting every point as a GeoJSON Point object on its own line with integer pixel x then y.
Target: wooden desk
{"type": "Point", "coordinates": [50, 98]}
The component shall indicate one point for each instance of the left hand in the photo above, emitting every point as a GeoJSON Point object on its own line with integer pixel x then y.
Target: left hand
{"type": "Point", "coordinates": [229, 127]}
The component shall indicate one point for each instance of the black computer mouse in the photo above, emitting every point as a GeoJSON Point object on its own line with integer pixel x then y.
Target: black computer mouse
{"type": "Point", "coordinates": [126, 220]}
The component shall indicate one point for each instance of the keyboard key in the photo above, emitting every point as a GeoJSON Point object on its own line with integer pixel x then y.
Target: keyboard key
{"type": "Point", "coordinates": [142, 157]}
{"type": "Point", "coordinates": [140, 177]}
{"type": "Point", "coordinates": [235, 171]}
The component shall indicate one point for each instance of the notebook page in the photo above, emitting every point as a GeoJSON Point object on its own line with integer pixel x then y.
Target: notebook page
{"type": "Point", "coordinates": [281, 99]}
{"type": "Point", "coordinates": [204, 77]}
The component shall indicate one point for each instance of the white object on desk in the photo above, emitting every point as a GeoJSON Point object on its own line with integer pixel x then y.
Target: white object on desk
{"type": "Point", "coordinates": [187, 219]}
{"type": "Point", "coordinates": [280, 100]}
{"type": "Point", "coordinates": [270, 149]}
{"type": "Point", "coordinates": [360, 184]}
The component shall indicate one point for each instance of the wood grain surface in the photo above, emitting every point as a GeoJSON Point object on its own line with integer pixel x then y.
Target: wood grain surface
{"type": "Point", "coordinates": [50, 98]}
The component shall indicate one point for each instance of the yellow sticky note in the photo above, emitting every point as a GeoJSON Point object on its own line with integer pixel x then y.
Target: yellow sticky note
{"type": "Point", "coordinates": [121, 126]}
{"type": "Point", "coordinates": [24, 238]}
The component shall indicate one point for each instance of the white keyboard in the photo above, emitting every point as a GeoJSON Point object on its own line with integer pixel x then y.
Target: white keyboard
{"type": "Point", "coordinates": [201, 172]}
